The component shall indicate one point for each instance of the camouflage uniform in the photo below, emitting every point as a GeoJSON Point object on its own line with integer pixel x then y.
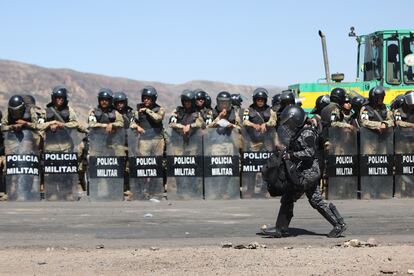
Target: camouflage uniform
{"type": "Point", "coordinates": [255, 140]}
{"type": "Point", "coordinates": [373, 118]}
{"type": "Point", "coordinates": [186, 144]}
{"type": "Point", "coordinates": [60, 140]}
{"type": "Point", "coordinates": [404, 118]}
{"type": "Point", "coordinates": [180, 118]}
{"type": "Point", "coordinates": [18, 183]}
{"type": "Point", "coordinates": [150, 143]}
{"type": "Point", "coordinates": [302, 150]}
{"type": "Point", "coordinates": [150, 119]}
{"type": "Point", "coordinates": [70, 121]}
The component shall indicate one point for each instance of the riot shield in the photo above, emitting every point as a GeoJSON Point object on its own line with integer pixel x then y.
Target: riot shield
{"type": "Point", "coordinates": [342, 163]}
{"type": "Point", "coordinates": [376, 163]}
{"type": "Point", "coordinates": [221, 163]}
{"type": "Point", "coordinates": [404, 162]}
{"type": "Point", "coordinates": [106, 164]}
{"type": "Point", "coordinates": [60, 164]}
{"type": "Point", "coordinates": [184, 165]}
{"type": "Point", "coordinates": [145, 163]}
{"type": "Point", "coordinates": [22, 165]}
{"type": "Point", "coordinates": [257, 149]}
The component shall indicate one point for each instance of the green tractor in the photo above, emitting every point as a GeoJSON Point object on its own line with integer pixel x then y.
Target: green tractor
{"type": "Point", "coordinates": [384, 58]}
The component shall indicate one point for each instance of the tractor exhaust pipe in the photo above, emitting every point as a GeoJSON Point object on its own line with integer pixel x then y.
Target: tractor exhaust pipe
{"type": "Point", "coordinates": [325, 56]}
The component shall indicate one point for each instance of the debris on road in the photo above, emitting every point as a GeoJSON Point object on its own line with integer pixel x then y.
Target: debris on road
{"type": "Point", "coordinates": [153, 248]}
{"type": "Point", "coordinates": [410, 271]}
{"type": "Point", "coordinates": [154, 200]}
{"type": "Point", "coordinates": [226, 245]}
{"type": "Point", "coordinates": [100, 246]}
{"type": "Point", "coordinates": [357, 243]}
{"type": "Point", "coordinates": [388, 272]}
{"type": "Point", "coordinates": [253, 245]}
{"type": "Point", "coordinates": [148, 215]}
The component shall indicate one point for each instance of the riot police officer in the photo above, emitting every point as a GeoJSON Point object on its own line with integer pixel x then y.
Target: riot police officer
{"type": "Point", "coordinates": [224, 111]}
{"type": "Point", "coordinates": [404, 116]}
{"type": "Point", "coordinates": [236, 101]}
{"type": "Point", "coordinates": [58, 113]}
{"type": "Point", "coordinates": [357, 102]}
{"type": "Point", "coordinates": [18, 116]}
{"type": "Point", "coordinates": [147, 121]}
{"type": "Point", "coordinates": [347, 109]}
{"type": "Point", "coordinates": [259, 121]}
{"type": "Point", "coordinates": [287, 98]}
{"type": "Point", "coordinates": [120, 101]}
{"type": "Point", "coordinates": [375, 114]}
{"type": "Point", "coordinates": [276, 102]}
{"type": "Point", "coordinates": [397, 102]}
{"type": "Point", "coordinates": [185, 140]}
{"type": "Point", "coordinates": [333, 114]}
{"type": "Point", "coordinates": [2, 182]}
{"type": "Point", "coordinates": [30, 102]}
{"type": "Point", "coordinates": [104, 115]}
{"type": "Point", "coordinates": [304, 175]}
{"type": "Point", "coordinates": [320, 103]}
{"type": "Point", "coordinates": [200, 103]}
{"type": "Point", "coordinates": [259, 116]}
{"type": "Point", "coordinates": [185, 119]}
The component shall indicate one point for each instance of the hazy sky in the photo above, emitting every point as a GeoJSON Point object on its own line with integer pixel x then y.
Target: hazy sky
{"type": "Point", "coordinates": [242, 42]}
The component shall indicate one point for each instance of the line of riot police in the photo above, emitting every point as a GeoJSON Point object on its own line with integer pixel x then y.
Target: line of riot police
{"type": "Point", "coordinates": [366, 148]}
{"type": "Point", "coordinates": [204, 152]}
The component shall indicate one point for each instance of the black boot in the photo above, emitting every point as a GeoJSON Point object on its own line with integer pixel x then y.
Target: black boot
{"type": "Point", "coordinates": [340, 227]}
{"type": "Point", "coordinates": [283, 220]}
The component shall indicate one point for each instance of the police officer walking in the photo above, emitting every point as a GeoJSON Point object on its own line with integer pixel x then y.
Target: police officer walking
{"type": "Point", "coordinates": [304, 175]}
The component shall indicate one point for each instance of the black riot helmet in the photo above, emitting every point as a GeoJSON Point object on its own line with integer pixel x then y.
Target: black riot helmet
{"type": "Point", "coordinates": [287, 98]}
{"type": "Point", "coordinates": [357, 103]}
{"type": "Point", "coordinates": [60, 91]}
{"type": "Point", "coordinates": [16, 107]}
{"type": "Point", "coordinates": [276, 100]}
{"type": "Point", "coordinates": [29, 100]}
{"type": "Point", "coordinates": [200, 94]}
{"type": "Point", "coordinates": [188, 95]}
{"type": "Point", "coordinates": [236, 100]}
{"type": "Point", "coordinates": [292, 119]}
{"type": "Point", "coordinates": [376, 94]}
{"type": "Point", "coordinates": [409, 98]}
{"type": "Point", "coordinates": [338, 96]}
{"type": "Point", "coordinates": [105, 93]}
{"type": "Point", "coordinates": [120, 97]}
{"type": "Point", "coordinates": [260, 93]}
{"type": "Point", "coordinates": [223, 101]}
{"type": "Point", "coordinates": [320, 103]}
{"type": "Point", "coordinates": [208, 101]}
{"type": "Point", "coordinates": [397, 102]}
{"type": "Point", "coordinates": [149, 91]}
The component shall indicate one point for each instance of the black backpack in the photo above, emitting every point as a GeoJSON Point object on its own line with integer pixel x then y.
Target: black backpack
{"type": "Point", "coordinates": [274, 175]}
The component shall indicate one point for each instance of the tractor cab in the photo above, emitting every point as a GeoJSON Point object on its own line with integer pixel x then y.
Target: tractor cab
{"type": "Point", "coordinates": [387, 57]}
{"type": "Point", "coordinates": [384, 58]}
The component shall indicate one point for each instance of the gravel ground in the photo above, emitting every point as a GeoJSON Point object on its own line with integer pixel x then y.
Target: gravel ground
{"type": "Point", "coordinates": [209, 261]}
